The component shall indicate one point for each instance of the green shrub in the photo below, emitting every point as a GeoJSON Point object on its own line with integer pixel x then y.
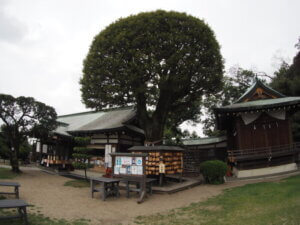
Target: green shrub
{"type": "Point", "coordinates": [213, 171]}
{"type": "Point", "coordinates": [81, 154]}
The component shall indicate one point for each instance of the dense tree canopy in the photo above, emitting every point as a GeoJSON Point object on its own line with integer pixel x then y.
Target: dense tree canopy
{"type": "Point", "coordinates": [22, 116]}
{"type": "Point", "coordinates": [287, 81]}
{"type": "Point", "coordinates": [5, 150]}
{"type": "Point", "coordinates": [161, 62]}
{"type": "Point", "coordinates": [237, 81]}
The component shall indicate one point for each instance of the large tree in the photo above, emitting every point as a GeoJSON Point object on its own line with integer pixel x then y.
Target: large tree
{"type": "Point", "coordinates": [161, 62]}
{"type": "Point", "coordinates": [287, 81]}
{"type": "Point", "coordinates": [22, 117]}
{"type": "Point", "coordinates": [236, 82]}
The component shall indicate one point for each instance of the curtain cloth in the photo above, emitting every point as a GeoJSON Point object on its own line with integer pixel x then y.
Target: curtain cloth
{"type": "Point", "coordinates": [278, 114]}
{"type": "Point", "coordinates": [251, 117]}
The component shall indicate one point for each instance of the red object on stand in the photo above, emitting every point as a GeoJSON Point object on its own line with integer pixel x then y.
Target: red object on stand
{"type": "Point", "coordinates": [108, 173]}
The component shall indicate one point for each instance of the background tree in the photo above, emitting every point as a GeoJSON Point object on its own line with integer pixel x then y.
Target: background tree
{"type": "Point", "coordinates": [237, 81]}
{"type": "Point", "coordinates": [21, 116]}
{"type": "Point", "coordinates": [4, 146]}
{"type": "Point", "coordinates": [287, 81]}
{"type": "Point", "coordinates": [81, 154]}
{"type": "Point", "coordinates": [25, 147]}
{"type": "Point", "coordinates": [161, 62]}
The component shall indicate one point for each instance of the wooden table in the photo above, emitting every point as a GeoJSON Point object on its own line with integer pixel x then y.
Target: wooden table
{"type": "Point", "coordinates": [138, 185]}
{"type": "Point", "coordinates": [109, 186]}
{"type": "Point", "coordinates": [15, 203]}
{"type": "Point", "coordinates": [11, 184]}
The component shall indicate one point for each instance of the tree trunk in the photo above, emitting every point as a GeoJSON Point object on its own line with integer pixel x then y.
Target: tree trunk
{"type": "Point", "coordinates": [154, 124]}
{"type": "Point", "coordinates": [85, 174]}
{"type": "Point", "coordinates": [14, 157]}
{"type": "Point", "coordinates": [14, 162]}
{"type": "Point", "coordinates": [154, 133]}
{"type": "Point", "coordinates": [154, 130]}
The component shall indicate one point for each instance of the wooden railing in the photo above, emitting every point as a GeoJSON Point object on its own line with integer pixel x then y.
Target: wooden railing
{"type": "Point", "coordinates": [268, 152]}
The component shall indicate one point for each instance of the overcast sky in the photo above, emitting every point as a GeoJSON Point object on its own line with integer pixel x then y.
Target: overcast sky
{"type": "Point", "coordinates": [43, 42]}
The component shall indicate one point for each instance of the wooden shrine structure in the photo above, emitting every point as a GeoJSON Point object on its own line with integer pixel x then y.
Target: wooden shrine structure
{"type": "Point", "coordinates": [258, 129]}
{"type": "Point", "coordinates": [111, 130]}
{"type": "Point", "coordinates": [198, 150]}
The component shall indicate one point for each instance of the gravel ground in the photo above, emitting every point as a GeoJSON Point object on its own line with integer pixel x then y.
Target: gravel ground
{"type": "Point", "coordinates": [51, 198]}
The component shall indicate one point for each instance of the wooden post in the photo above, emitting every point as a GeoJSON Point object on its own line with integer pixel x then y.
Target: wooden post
{"type": "Point", "coordinates": [103, 191]}
{"type": "Point", "coordinates": [161, 179]}
{"type": "Point", "coordinates": [143, 191]}
{"type": "Point", "coordinates": [17, 191]}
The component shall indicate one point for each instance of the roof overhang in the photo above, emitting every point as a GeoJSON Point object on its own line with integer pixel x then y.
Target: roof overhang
{"type": "Point", "coordinates": [227, 113]}
{"type": "Point", "coordinates": [261, 105]}
{"type": "Point", "coordinates": [110, 130]}
{"type": "Point", "coordinates": [156, 148]}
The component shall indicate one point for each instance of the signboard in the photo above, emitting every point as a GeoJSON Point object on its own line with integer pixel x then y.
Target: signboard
{"type": "Point", "coordinates": [162, 168]}
{"type": "Point", "coordinates": [128, 165]}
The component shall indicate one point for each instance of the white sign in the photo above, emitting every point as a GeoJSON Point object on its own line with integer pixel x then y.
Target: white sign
{"type": "Point", "coordinates": [139, 161]}
{"type": "Point", "coordinates": [123, 170]}
{"type": "Point", "coordinates": [134, 170]}
{"type": "Point", "coordinates": [118, 161]}
{"type": "Point", "coordinates": [126, 161]}
{"type": "Point", "coordinates": [117, 170]}
{"type": "Point", "coordinates": [140, 170]}
{"type": "Point", "coordinates": [162, 168]}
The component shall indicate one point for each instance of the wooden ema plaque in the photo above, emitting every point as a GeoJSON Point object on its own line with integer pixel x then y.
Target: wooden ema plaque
{"type": "Point", "coordinates": [164, 162]}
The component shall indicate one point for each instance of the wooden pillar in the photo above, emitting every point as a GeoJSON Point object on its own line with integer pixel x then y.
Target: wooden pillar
{"type": "Point", "coordinates": [238, 133]}
{"type": "Point", "coordinates": [161, 179]}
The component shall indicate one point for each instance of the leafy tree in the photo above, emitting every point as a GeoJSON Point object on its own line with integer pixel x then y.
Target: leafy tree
{"type": "Point", "coordinates": [287, 81]}
{"type": "Point", "coordinates": [174, 135]}
{"type": "Point", "coordinates": [162, 62]}
{"type": "Point", "coordinates": [235, 85]}
{"type": "Point", "coordinates": [21, 116]}
{"type": "Point", "coordinates": [4, 146]}
{"type": "Point", "coordinates": [81, 154]}
{"type": "Point", "coordinates": [25, 148]}
{"type": "Point", "coordinates": [298, 44]}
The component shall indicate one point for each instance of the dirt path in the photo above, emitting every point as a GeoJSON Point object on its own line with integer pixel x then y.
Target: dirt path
{"type": "Point", "coordinates": [51, 198]}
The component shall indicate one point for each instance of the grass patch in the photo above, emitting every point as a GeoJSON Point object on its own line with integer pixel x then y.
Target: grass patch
{"type": "Point", "coordinates": [260, 204]}
{"type": "Point", "coordinates": [78, 183]}
{"type": "Point", "coordinates": [7, 174]}
{"type": "Point", "coordinates": [39, 219]}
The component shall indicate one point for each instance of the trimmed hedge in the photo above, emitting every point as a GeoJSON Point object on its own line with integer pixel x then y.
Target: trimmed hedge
{"type": "Point", "coordinates": [213, 171]}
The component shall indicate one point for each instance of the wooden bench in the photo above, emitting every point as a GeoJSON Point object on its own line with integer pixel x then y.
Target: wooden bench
{"type": "Point", "coordinates": [15, 203]}
{"type": "Point", "coordinates": [138, 185]}
{"type": "Point", "coordinates": [109, 186]}
{"type": "Point", "coordinates": [11, 184]}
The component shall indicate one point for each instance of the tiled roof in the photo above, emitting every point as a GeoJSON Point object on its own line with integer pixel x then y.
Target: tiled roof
{"type": "Point", "coordinates": [204, 141]}
{"type": "Point", "coordinates": [156, 148]}
{"type": "Point", "coordinates": [260, 104]}
{"type": "Point", "coordinates": [96, 121]}
{"type": "Point", "coordinates": [254, 86]}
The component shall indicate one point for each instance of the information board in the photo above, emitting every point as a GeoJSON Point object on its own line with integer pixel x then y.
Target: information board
{"type": "Point", "coordinates": [128, 165]}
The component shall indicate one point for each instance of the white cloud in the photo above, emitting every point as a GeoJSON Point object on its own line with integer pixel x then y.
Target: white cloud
{"type": "Point", "coordinates": [11, 29]}
{"type": "Point", "coordinates": [43, 43]}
